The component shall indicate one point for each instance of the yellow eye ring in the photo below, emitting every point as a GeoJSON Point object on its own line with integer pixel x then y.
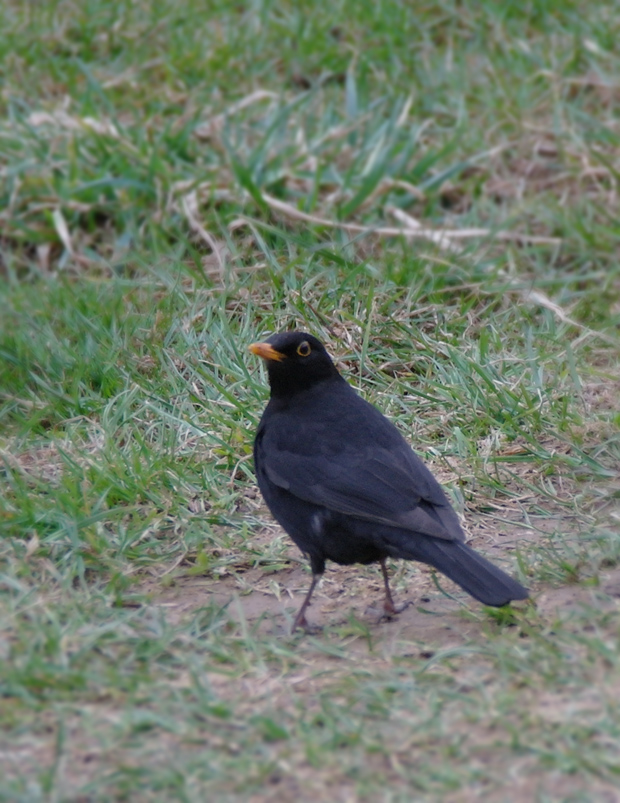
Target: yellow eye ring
{"type": "Point", "coordinates": [303, 349]}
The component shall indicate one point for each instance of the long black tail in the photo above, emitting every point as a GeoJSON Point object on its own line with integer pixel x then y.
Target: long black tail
{"type": "Point", "coordinates": [475, 574]}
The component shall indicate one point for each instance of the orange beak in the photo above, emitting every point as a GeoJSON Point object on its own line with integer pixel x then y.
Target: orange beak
{"type": "Point", "coordinates": [266, 351]}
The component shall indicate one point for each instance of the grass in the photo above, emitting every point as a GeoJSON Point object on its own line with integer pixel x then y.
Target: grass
{"type": "Point", "coordinates": [179, 180]}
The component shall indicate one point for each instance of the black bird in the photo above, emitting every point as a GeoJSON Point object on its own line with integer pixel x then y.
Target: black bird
{"type": "Point", "coordinates": [347, 487]}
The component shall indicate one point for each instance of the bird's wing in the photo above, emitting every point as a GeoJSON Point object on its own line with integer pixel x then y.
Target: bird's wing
{"type": "Point", "coordinates": [387, 485]}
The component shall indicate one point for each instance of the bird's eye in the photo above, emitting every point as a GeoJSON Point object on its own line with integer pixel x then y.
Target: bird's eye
{"type": "Point", "coordinates": [303, 349]}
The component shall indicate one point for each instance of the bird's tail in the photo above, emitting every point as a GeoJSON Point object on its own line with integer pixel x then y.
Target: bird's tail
{"type": "Point", "coordinates": [475, 574]}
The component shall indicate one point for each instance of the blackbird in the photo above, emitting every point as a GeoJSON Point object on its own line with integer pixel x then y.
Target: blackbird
{"type": "Point", "coordinates": [346, 486]}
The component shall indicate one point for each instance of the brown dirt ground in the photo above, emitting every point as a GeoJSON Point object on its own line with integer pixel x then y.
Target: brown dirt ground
{"type": "Point", "coordinates": [431, 619]}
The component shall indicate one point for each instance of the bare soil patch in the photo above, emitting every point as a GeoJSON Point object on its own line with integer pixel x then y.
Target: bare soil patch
{"type": "Point", "coordinates": [437, 610]}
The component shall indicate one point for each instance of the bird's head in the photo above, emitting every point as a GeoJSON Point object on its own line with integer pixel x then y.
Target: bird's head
{"type": "Point", "coordinates": [295, 362]}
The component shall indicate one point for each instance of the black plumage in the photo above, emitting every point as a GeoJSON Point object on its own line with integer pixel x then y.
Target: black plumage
{"type": "Point", "coordinates": [347, 487]}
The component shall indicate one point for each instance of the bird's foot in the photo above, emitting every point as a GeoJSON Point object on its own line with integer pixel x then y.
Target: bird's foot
{"type": "Point", "coordinates": [390, 610]}
{"type": "Point", "coordinates": [301, 623]}
{"type": "Point", "coordinates": [385, 613]}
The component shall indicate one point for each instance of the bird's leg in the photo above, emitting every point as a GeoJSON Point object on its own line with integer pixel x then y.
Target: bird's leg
{"type": "Point", "coordinates": [389, 608]}
{"type": "Point", "coordinates": [388, 603]}
{"type": "Point", "coordinates": [300, 619]}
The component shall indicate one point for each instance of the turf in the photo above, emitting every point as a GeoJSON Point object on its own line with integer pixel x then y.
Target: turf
{"type": "Point", "coordinates": [433, 192]}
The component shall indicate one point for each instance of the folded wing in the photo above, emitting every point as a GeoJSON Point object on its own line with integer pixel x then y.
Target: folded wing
{"type": "Point", "coordinates": [387, 485]}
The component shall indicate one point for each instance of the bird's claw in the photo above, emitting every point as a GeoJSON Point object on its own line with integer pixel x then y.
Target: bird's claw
{"type": "Point", "coordinates": [390, 610]}
{"type": "Point", "coordinates": [303, 624]}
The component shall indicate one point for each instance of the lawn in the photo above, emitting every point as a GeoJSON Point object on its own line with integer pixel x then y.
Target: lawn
{"type": "Point", "coordinates": [432, 190]}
